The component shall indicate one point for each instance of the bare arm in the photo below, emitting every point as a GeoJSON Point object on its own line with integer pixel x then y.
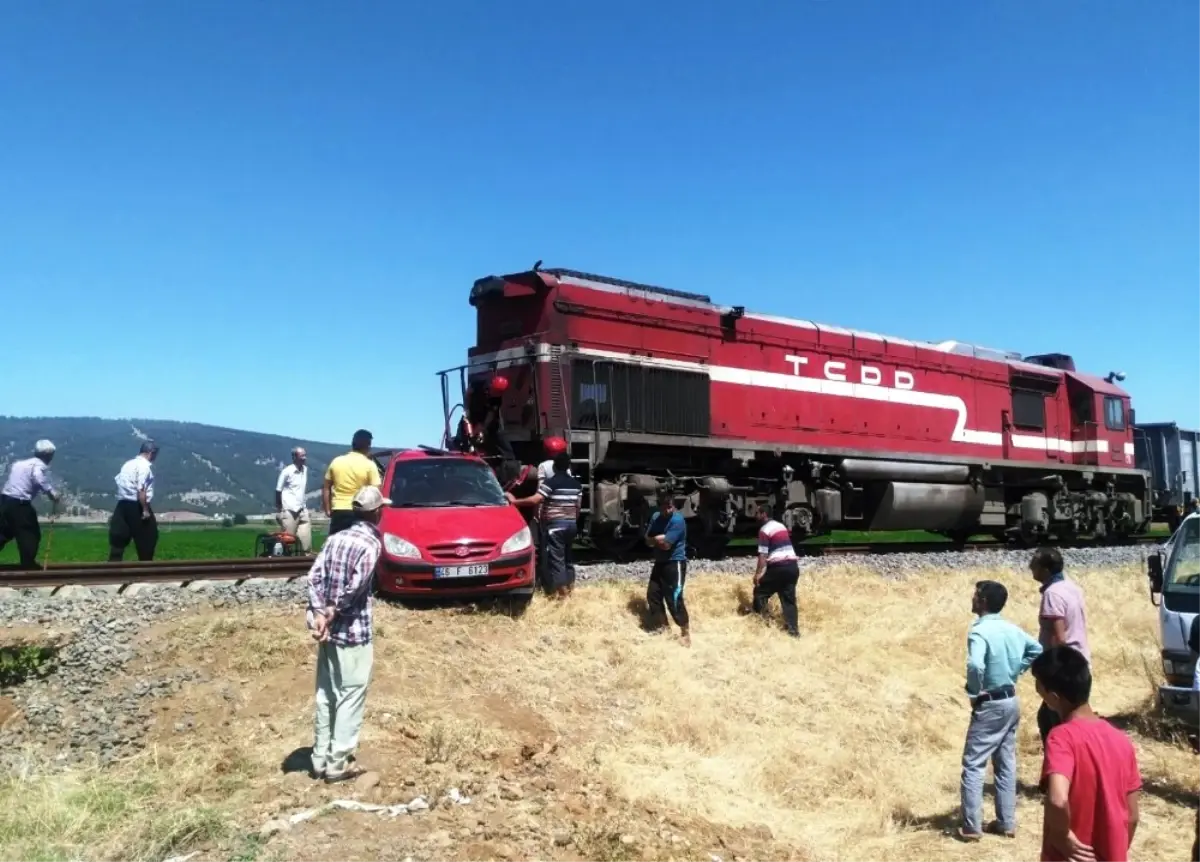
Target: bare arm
{"type": "Point", "coordinates": [1056, 823]}
{"type": "Point", "coordinates": [327, 497]}
{"type": "Point", "coordinates": [525, 502]}
{"type": "Point", "coordinates": [1131, 802]}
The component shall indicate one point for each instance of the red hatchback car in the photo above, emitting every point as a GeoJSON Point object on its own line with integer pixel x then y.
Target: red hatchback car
{"type": "Point", "coordinates": [449, 531]}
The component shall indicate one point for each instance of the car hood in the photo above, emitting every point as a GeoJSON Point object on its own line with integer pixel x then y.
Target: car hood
{"type": "Point", "coordinates": [452, 524]}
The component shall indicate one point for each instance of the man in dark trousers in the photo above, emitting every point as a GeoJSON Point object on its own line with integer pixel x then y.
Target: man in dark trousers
{"type": "Point", "coordinates": [345, 476]}
{"type": "Point", "coordinates": [558, 497]}
{"type": "Point", "coordinates": [1062, 618]}
{"type": "Point", "coordinates": [18, 518]}
{"type": "Point", "coordinates": [778, 570]}
{"type": "Point", "coordinates": [133, 519]}
{"type": "Point", "coordinates": [667, 535]}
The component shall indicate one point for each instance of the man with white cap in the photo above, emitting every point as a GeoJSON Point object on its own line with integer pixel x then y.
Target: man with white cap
{"type": "Point", "coordinates": [18, 518]}
{"type": "Point", "coordinates": [339, 617]}
{"type": "Point", "coordinates": [133, 520]}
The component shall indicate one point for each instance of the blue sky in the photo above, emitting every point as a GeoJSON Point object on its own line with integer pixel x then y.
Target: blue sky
{"type": "Point", "coordinates": [268, 215]}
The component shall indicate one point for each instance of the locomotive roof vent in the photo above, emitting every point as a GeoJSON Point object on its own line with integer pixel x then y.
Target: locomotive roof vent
{"type": "Point", "coordinates": [629, 285]}
{"type": "Point", "coordinates": [1052, 360]}
{"type": "Point", "coordinates": [964, 349]}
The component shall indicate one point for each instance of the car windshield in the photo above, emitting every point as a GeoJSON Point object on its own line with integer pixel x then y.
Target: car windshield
{"type": "Point", "coordinates": [1183, 568]}
{"type": "Point", "coordinates": [425, 483]}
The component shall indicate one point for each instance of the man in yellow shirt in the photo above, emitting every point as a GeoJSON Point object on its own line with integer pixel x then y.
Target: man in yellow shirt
{"type": "Point", "coordinates": [346, 476]}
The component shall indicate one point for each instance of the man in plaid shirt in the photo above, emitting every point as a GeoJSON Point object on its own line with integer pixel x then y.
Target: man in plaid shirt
{"type": "Point", "coordinates": [339, 616]}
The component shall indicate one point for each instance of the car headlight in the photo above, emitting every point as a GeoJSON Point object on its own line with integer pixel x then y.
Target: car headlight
{"type": "Point", "coordinates": [1178, 668]}
{"type": "Point", "coordinates": [519, 541]}
{"type": "Point", "coordinates": [398, 547]}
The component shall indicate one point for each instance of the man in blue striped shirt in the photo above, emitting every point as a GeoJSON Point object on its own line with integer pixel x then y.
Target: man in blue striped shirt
{"type": "Point", "coordinates": [18, 518]}
{"type": "Point", "coordinates": [558, 497]}
{"type": "Point", "coordinates": [998, 652]}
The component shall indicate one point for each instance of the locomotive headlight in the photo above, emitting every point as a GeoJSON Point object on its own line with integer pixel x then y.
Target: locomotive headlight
{"type": "Point", "coordinates": [398, 547]}
{"type": "Point", "coordinates": [518, 541]}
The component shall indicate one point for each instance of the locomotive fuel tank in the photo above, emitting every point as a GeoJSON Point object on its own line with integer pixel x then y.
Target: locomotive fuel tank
{"type": "Point", "coordinates": [928, 506]}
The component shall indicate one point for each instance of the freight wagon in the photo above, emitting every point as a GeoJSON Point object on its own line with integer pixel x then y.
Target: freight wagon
{"type": "Point", "coordinates": [1171, 455]}
{"type": "Point", "coordinates": [664, 392]}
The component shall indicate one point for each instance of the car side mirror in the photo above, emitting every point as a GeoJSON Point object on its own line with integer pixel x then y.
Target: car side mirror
{"type": "Point", "coordinates": [1154, 571]}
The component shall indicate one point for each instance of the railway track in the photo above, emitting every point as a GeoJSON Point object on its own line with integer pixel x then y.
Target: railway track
{"type": "Point", "coordinates": [158, 572]}
{"type": "Point", "coordinates": [239, 570]}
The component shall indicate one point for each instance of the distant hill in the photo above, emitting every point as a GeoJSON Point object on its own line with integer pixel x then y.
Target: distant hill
{"type": "Point", "coordinates": [200, 468]}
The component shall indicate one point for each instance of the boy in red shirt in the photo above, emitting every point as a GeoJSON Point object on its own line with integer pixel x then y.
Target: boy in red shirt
{"type": "Point", "coordinates": [1090, 770]}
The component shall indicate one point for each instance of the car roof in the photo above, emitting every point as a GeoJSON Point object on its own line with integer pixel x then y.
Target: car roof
{"type": "Point", "coordinates": [386, 456]}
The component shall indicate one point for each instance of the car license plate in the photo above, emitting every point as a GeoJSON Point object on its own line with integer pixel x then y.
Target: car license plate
{"type": "Point", "coordinates": [476, 571]}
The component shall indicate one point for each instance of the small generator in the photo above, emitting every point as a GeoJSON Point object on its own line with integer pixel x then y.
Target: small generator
{"type": "Point", "coordinates": [278, 544]}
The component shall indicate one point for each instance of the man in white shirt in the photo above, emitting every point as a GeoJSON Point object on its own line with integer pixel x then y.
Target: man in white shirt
{"type": "Point", "coordinates": [18, 518]}
{"type": "Point", "coordinates": [133, 520]}
{"type": "Point", "coordinates": [290, 505]}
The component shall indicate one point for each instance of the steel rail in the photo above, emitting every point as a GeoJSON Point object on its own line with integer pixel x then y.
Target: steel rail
{"type": "Point", "coordinates": [134, 565]}
{"type": "Point", "coordinates": [165, 571]}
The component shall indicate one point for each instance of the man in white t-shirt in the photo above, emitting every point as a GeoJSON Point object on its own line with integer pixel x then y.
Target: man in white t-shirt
{"type": "Point", "coordinates": [291, 507]}
{"type": "Point", "coordinates": [133, 520]}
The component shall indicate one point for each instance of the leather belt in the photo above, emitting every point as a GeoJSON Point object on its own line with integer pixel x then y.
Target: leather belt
{"type": "Point", "coordinates": [1003, 693]}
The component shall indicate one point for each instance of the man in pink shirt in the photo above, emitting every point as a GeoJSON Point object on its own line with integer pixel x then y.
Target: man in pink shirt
{"type": "Point", "coordinates": [1062, 618]}
{"type": "Point", "coordinates": [1090, 771]}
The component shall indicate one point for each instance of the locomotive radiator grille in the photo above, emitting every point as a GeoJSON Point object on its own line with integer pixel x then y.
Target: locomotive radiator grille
{"type": "Point", "coordinates": [618, 396]}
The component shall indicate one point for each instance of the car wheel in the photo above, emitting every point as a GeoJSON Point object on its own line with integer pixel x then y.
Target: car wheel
{"type": "Point", "coordinates": [516, 606]}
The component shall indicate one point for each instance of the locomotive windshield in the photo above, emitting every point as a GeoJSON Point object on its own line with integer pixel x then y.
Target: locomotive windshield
{"type": "Point", "coordinates": [1183, 569]}
{"type": "Point", "coordinates": [429, 483]}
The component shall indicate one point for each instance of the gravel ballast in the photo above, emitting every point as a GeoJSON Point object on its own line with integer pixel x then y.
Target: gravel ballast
{"type": "Point", "coordinates": [89, 706]}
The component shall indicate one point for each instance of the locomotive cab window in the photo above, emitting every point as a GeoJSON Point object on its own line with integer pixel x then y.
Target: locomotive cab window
{"type": "Point", "coordinates": [1082, 411]}
{"type": "Point", "coordinates": [1114, 414]}
{"type": "Point", "coordinates": [1029, 409]}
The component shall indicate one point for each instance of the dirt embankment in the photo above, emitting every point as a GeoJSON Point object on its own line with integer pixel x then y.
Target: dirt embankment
{"type": "Point", "coordinates": [575, 735]}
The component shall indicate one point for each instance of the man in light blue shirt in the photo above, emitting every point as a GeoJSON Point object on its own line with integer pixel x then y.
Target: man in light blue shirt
{"type": "Point", "coordinates": [997, 653]}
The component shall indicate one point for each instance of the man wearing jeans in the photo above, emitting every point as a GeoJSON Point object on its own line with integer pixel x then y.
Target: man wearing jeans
{"type": "Point", "coordinates": [339, 615]}
{"type": "Point", "coordinates": [997, 653]}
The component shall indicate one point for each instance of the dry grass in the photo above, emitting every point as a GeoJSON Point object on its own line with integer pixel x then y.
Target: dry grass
{"type": "Point", "coordinates": [844, 745]}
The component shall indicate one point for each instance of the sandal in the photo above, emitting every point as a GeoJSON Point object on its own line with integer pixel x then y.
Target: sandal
{"type": "Point", "coordinates": [346, 775]}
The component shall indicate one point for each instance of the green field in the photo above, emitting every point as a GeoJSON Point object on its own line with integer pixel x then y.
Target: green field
{"type": "Point", "coordinates": [71, 543]}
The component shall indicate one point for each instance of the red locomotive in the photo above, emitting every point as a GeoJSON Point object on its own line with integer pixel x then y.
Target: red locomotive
{"type": "Point", "coordinates": [660, 391]}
